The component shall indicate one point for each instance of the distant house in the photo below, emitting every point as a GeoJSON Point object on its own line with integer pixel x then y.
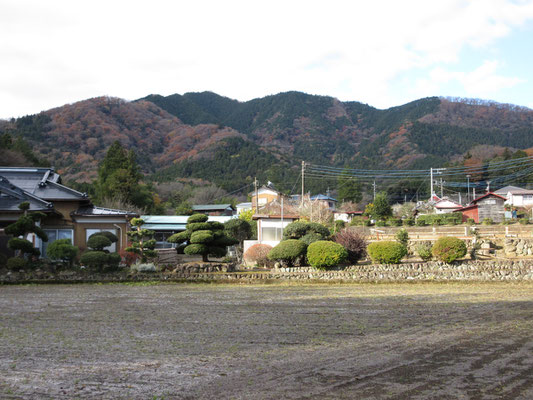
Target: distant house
{"type": "Point", "coordinates": [446, 205]}
{"type": "Point", "coordinates": [265, 195]}
{"type": "Point", "coordinates": [165, 226]}
{"type": "Point", "coordinates": [214, 209]}
{"type": "Point", "coordinates": [346, 216]}
{"type": "Point", "coordinates": [490, 205]}
{"type": "Point", "coordinates": [243, 207]}
{"type": "Point", "coordinates": [325, 200]}
{"type": "Point", "coordinates": [69, 213]}
{"type": "Point", "coordinates": [516, 196]}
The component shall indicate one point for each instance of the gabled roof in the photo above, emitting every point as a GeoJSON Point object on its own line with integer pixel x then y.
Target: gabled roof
{"type": "Point", "coordinates": [442, 204]}
{"type": "Point", "coordinates": [41, 182]}
{"type": "Point", "coordinates": [323, 197]}
{"type": "Point", "coordinates": [11, 196]}
{"type": "Point", "coordinates": [487, 195]}
{"type": "Point", "coordinates": [93, 211]}
{"type": "Point", "coordinates": [174, 222]}
{"type": "Point", "coordinates": [506, 189]}
{"type": "Point", "coordinates": [263, 188]}
{"type": "Point", "coordinates": [212, 207]}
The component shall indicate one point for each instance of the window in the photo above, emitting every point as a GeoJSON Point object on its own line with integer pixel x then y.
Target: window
{"type": "Point", "coordinates": [262, 200]}
{"type": "Point", "coordinates": [56, 234]}
{"type": "Point", "coordinates": [528, 197]}
{"type": "Point", "coordinates": [271, 234]}
{"type": "Point", "coordinates": [89, 232]}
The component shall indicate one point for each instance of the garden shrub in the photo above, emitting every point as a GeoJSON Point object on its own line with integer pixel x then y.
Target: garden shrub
{"type": "Point", "coordinates": [424, 251]}
{"type": "Point", "coordinates": [339, 225]}
{"type": "Point", "coordinates": [197, 218]}
{"type": "Point", "coordinates": [354, 243]}
{"type": "Point", "coordinates": [395, 222]}
{"type": "Point", "coordinates": [98, 242]}
{"type": "Point", "coordinates": [523, 221]}
{"type": "Point", "coordinates": [420, 222]}
{"type": "Point", "coordinates": [402, 237]}
{"type": "Point", "coordinates": [110, 235]}
{"type": "Point", "coordinates": [196, 249]}
{"type": "Point", "coordinates": [440, 219]}
{"type": "Point", "coordinates": [16, 263]}
{"type": "Point", "coordinates": [94, 259]}
{"type": "Point", "coordinates": [325, 254]}
{"type": "Point", "coordinates": [386, 252]}
{"type": "Point", "coordinates": [288, 251]}
{"type": "Point", "coordinates": [487, 221]}
{"type": "Point", "coordinates": [408, 222]}
{"type": "Point", "coordinates": [198, 226]}
{"type": "Point", "coordinates": [381, 223]}
{"type": "Point", "coordinates": [202, 237]}
{"type": "Point", "coordinates": [311, 237]}
{"type": "Point", "coordinates": [298, 229]}
{"type": "Point", "coordinates": [258, 254]}
{"type": "Point", "coordinates": [358, 221]}
{"type": "Point", "coordinates": [449, 249]}
{"type": "Point", "coordinates": [470, 221]}
{"type": "Point", "coordinates": [62, 249]}
{"type": "Point", "coordinates": [25, 246]}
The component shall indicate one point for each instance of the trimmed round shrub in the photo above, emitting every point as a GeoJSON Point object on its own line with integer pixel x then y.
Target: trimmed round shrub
{"type": "Point", "coordinates": [202, 237]}
{"type": "Point", "coordinates": [258, 254]}
{"type": "Point", "coordinates": [180, 237]}
{"type": "Point", "coordinates": [487, 221]}
{"type": "Point", "coordinates": [386, 252]}
{"type": "Point", "coordinates": [424, 251]}
{"type": "Point", "coordinates": [113, 259]}
{"type": "Point", "coordinates": [94, 259]}
{"type": "Point", "coordinates": [197, 218]}
{"type": "Point", "coordinates": [23, 245]}
{"type": "Point", "coordinates": [448, 249]}
{"type": "Point", "coordinates": [214, 225]}
{"type": "Point", "coordinates": [311, 237]}
{"type": "Point", "coordinates": [98, 242]}
{"type": "Point", "coordinates": [195, 249]}
{"type": "Point", "coordinates": [16, 263]}
{"type": "Point", "coordinates": [288, 251]}
{"type": "Point", "coordinates": [298, 229]}
{"type": "Point", "coordinates": [62, 249]}
{"type": "Point", "coordinates": [325, 254]}
{"type": "Point", "coordinates": [198, 226]}
{"type": "Point", "coordinates": [354, 243]}
{"type": "Point", "coordinates": [110, 235]}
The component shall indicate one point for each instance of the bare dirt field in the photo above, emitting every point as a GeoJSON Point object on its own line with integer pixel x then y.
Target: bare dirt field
{"type": "Point", "coordinates": [178, 341]}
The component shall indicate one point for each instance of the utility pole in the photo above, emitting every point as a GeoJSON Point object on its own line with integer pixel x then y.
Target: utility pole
{"type": "Point", "coordinates": [374, 185]}
{"type": "Point", "coordinates": [441, 191]}
{"type": "Point", "coordinates": [303, 184]}
{"type": "Point", "coordinates": [256, 194]}
{"type": "Point", "coordinates": [431, 184]}
{"type": "Point", "coordinates": [468, 189]}
{"type": "Point", "coordinates": [438, 170]}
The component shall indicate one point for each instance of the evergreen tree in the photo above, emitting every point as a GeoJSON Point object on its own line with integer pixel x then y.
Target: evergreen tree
{"type": "Point", "coordinates": [349, 188]}
{"type": "Point", "coordinates": [25, 225]}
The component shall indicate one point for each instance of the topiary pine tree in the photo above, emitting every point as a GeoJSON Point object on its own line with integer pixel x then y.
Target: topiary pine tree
{"type": "Point", "coordinates": [23, 227]}
{"type": "Point", "coordinates": [142, 242]}
{"type": "Point", "coordinates": [204, 238]}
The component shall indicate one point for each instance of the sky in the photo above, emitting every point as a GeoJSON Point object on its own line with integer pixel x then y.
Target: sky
{"type": "Point", "coordinates": [382, 53]}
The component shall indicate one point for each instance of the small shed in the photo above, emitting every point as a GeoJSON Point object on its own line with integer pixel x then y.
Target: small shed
{"type": "Point", "coordinates": [490, 205]}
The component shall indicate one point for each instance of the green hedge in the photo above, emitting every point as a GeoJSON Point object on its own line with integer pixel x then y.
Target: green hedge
{"type": "Point", "coordinates": [62, 249]}
{"type": "Point", "coordinates": [440, 219]}
{"type": "Point", "coordinates": [324, 254]}
{"type": "Point", "coordinates": [16, 263]}
{"type": "Point", "coordinates": [288, 251]}
{"type": "Point", "coordinates": [448, 249]}
{"type": "Point", "coordinates": [386, 252]}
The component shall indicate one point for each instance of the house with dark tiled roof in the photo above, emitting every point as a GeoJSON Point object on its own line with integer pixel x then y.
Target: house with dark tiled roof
{"type": "Point", "coordinates": [69, 213]}
{"type": "Point", "coordinates": [214, 209]}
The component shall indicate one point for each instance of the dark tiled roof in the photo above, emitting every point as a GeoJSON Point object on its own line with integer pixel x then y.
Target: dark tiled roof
{"type": "Point", "coordinates": [11, 196]}
{"type": "Point", "coordinates": [41, 182]}
{"type": "Point", "coordinates": [93, 211]}
{"type": "Point", "coordinates": [212, 207]}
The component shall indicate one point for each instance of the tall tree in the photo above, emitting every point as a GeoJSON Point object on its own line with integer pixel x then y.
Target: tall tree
{"type": "Point", "coordinates": [349, 188]}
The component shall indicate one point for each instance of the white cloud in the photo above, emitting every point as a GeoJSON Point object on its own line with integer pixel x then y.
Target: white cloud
{"type": "Point", "coordinates": [64, 51]}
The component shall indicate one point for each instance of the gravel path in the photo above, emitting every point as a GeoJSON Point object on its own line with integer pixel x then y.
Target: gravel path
{"type": "Point", "coordinates": [177, 341]}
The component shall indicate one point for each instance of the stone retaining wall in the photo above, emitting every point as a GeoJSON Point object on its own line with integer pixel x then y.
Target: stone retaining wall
{"type": "Point", "coordinates": [432, 271]}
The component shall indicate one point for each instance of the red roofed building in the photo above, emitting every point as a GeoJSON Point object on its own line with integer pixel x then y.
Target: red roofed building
{"type": "Point", "coordinates": [490, 205]}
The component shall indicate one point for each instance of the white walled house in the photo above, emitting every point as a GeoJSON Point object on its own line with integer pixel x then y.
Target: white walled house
{"type": "Point", "coordinates": [516, 197]}
{"type": "Point", "coordinates": [270, 229]}
{"type": "Point", "coordinates": [445, 205]}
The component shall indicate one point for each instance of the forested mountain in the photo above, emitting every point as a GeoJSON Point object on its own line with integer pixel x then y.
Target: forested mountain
{"type": "Point", "coordinates": [227, 142]}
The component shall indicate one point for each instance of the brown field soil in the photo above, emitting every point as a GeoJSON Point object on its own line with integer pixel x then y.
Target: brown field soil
{"type": "Point", "coordinates": [190, 341]}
